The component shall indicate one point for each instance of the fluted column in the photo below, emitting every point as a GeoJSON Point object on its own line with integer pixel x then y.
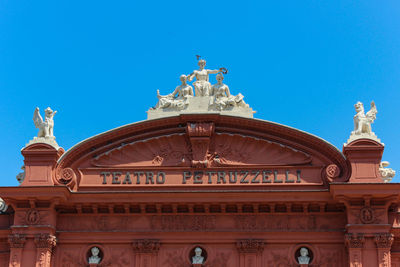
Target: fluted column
{"type": "Point", "coordinates": [44, 247]}
{"type": "Point", "coordinates": [17, 242]}
{"type": "Point", "coordinates": [355, 244]}
{"type": "Point", "coordinates": [146, 251]}
{"type": "Point", "coordinates": [249, 252]}
{"type": "Point", "coordinates": [383, 243]}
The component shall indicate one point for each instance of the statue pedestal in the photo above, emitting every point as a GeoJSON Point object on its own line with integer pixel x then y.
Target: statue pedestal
{"type": "Point", "coordinates": [93, 264]}
{"type": "Point", "coordinates": [197, 265]}
{"type": "Point", "coordinates": [303, 265]}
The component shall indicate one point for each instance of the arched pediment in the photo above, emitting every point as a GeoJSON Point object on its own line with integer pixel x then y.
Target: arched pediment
{"type": "Point", "coordinates": [208, 142]}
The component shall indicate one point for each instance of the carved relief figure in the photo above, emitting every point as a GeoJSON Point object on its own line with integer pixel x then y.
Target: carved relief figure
{"type": "Point", "coordinates": [222, 96]}
{"type": "Point", "coordinates": [303, 258]}
{"type": "Point", "coordinates": [178, 99]}
{"type": "Point", "coordinates": [362, 121]}
{"type": "Point", "coordinates": [202, 85]}
{"type": "Point", "coordinates": [197, 258]}
{"type": "Point", "coordinates": [95, 255]}
{"type": "Point", "coordinates": [32, 216]}
{"type": "Point", "coordinates": [45, 126]}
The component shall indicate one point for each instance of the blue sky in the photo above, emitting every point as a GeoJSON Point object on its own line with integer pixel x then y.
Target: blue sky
{"type": "Point", "coordinates": [99, 63]}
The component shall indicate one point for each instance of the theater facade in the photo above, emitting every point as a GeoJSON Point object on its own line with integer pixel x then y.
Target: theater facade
{"type": "Point", "coordinates": [202, 183]}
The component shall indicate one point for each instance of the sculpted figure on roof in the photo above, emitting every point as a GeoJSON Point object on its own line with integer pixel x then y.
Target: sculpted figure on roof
{"type": "Point", "coordinates": [204, 99]}
{"type": "Point", "coordinates": [222, 96]}
{"type": "Point", "coordinates": [178, 99]}
{"type": "Point", "coordinates": [202, 85]}
{"type": "Point", "coordinates": [362, 123]}
{"type": "Point", "coordinates": [45, 126]}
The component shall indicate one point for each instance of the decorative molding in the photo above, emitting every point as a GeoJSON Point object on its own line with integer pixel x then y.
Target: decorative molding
{"type": "Point", "coordinates": [45, 241]}
{"type": "Point", "coordinates": [200, 136]}
{"type": "Point", "coordinates": [384, 240]}
{"type": "Point", "coordinates": [66, 176]}
{"type": "Point", "coordinates": [354, 240]}
{"type": "Point", "coordinates": [17, 240]}
{"type": "Point", "coordinates": [164, 150]}
{"type": "Point", "coordinates": [146, 245]}
{"type": "Point", "coordinates": [250, 245]}
{"type": "Point", "coordinates": [332, 171]}
{"type": "Point", "coordinates": [200, 129]}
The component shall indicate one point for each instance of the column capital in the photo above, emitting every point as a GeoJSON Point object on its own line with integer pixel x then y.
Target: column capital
{"type": "Point", "coordinates": [146, 245]}
{"type": "Point", "coordinates": [45, 241]}
{"type": "Point", "coordinates": [17, 240]}
{"type": "Point", "coordinates": [354, 240]}
{"type": "Point", "coordinates": [250, 245]}
{"type": "Point", "coordinates": [383, 240]}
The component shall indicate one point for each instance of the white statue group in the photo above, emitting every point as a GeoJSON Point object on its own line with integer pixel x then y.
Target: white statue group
{"type": "Point", "coordinates": [179, 98]}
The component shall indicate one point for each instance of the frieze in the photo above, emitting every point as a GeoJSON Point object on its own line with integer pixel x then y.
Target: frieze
{"type": "Point", "coordinates": [141, 177]}
{"type": "Point", "coordinates": [146, 245]}
{"type": "Point", "coordinates": [175, 259]}
{"type": "Point", "coordinates": [286, 222]}
{"type": "Point", "coordinates": [69, 259]}
{"type": "Point", "coordinates": [31, 217]}
{"type": "Point", "coordinates": [96, 222]}
{"type": "Point", "coordinates": [278, 258]}
{"type": "Point", "coordinates": [221, 259]}
{"type": "Point", "coordinates": [184, 222]}
{"type": "Point", "coordinates": [368, 215]}
{"type": "Point", "coordinates": [250, 245]}
{"type": "Point", "coordinates": [120, 259]}
{"type": "Point", "coordinates": [175, 222]}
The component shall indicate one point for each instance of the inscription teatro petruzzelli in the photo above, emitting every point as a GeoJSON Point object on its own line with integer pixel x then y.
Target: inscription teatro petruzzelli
{"type": "Point", "coordinates": [200, 177]}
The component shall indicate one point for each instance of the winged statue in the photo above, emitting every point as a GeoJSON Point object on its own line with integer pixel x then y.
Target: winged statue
{"type": "Point", "coordinates": [362, 120]}
{"type": "Point", "coordinates": [45, 126]}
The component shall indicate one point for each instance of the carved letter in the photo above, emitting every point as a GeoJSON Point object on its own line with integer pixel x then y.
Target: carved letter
{"type": "Point", "coordinates": [162, 180]}
{"type": "Point", "coordinates": [254, 180]}
{"type": "Point", "coordinates": [287, 177]}
{"type": "Point", "coordinates": [298, 177]}
{"type": "Point", "coordinates": [232, 178]}
{"type": "Point", "coordinates": [105, 174]}
{"type": "Point", "coordinates": [265, 178]}
{"type": "Point", "coordinates": [221, 176]}
{"type": "Point", "coordinates": [115, 177]}
{"type": "Point", "coordinates": [149, 177]}
{"type": "Point", "coordinates": [243, 180]}
{"type": "Point", "coordinates": [276, 178]}
{"type": "Point", "coordinates": [210, 174]}
{"type": "Point", "coordinates": [186, 175]}
{"type": "Point", "coordinates": [198, 177]}
{"type": "Point", "coordinates": [127, 179]}
{"type": "Point", "coordinates": [138, 174]}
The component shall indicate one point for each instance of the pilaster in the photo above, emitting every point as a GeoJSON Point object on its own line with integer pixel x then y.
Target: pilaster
{"type": "Point", "coordinates": [250, 251]}
{"type": "Point", "coordinates": [44, 247]}
{"type": "Point", "coordinates": [17, 242]}
{"type": "Point", "coordinates": [146, 251]}
{"type": "Point", "coordinates": [383, 243]}
{"type": "Point", "coordinates": [355, 244]}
